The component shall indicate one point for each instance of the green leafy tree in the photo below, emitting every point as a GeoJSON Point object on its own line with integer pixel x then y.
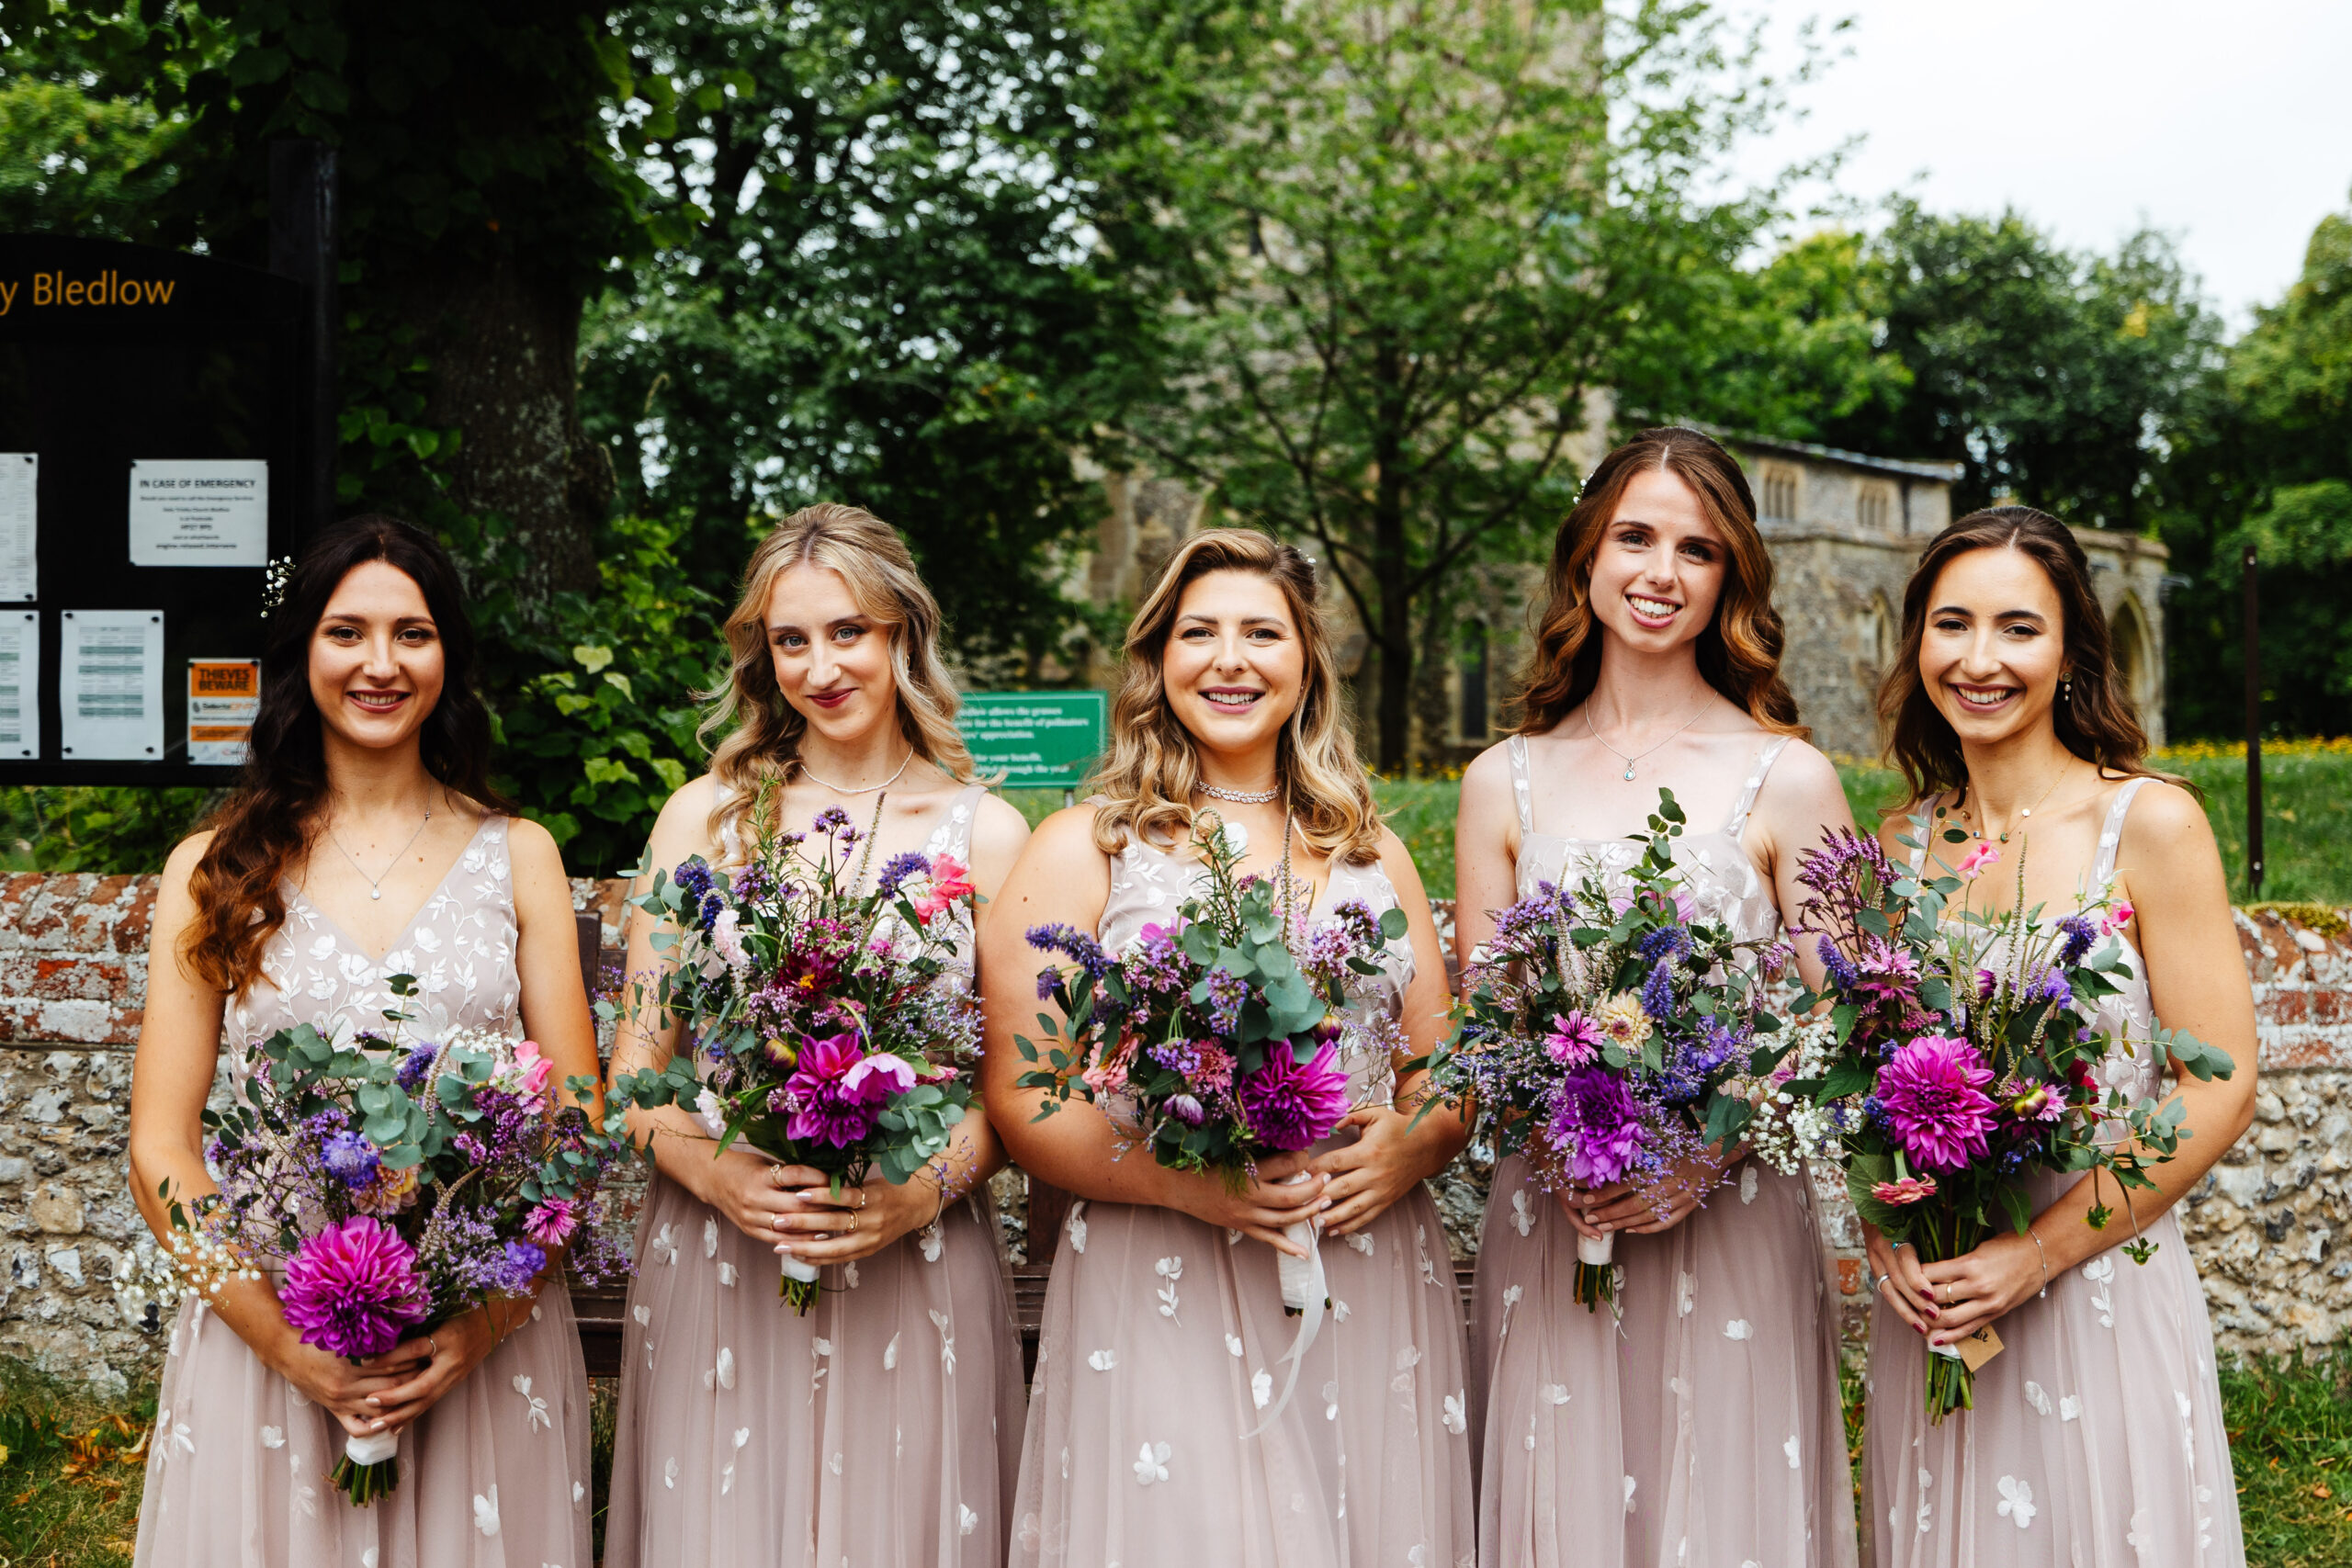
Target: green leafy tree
{"type": "Point", "coordinates": [1394, 249]}
{"type": "Point", "coordinates": [871, 289]}
{"type": "Point", "coordinates": [2056, 376]}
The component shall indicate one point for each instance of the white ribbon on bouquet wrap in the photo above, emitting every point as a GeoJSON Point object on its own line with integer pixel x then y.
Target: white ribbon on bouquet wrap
{"type": "Point", "coordinates": [1595, 1250]}
{"type": "Point", "coordinates": [373, 1449]}
{"type": "Point", "coordinates": [1303, 1291]}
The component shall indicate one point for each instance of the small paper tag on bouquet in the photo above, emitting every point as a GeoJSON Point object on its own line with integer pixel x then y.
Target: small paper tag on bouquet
{"type": "Point", "coordinates": [1979, 1348]}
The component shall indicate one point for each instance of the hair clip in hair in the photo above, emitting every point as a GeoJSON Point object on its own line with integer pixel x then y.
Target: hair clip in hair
{"type": "Point", "coordinates": [274, 579]}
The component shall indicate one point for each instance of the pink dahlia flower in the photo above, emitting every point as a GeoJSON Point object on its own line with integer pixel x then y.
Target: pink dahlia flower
{"type": "Point", "coordinates": [551, 1224]}
{"type": "Point", "coordinates": [353, 1288]}
{"type": "Point", "coordinates": [1575, 1040]}
{"type": "Point", "coordinates": [1933, 1094]}
{"type": "Point", "coordinates": [1910, 1190]}
{"type": "Point", "coordinates": [825, 1107]}
{"type": "Point", "coordinates": [1290, 1103]}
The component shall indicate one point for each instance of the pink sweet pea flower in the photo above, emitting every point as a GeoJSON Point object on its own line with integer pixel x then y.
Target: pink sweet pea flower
{"type": "Point", "coordinates": [950, 879]}
{"type": "Point", "coordinates": [2116, 918]}
{"type": "Point", "coordinates": [1981, 854]}
{"type": "Point", "coordinates": [536, 1069]}
{"type": "Point", "coordinates": [881, 1073]}
{"type": "Point", "coordinates": [1910, 1190]}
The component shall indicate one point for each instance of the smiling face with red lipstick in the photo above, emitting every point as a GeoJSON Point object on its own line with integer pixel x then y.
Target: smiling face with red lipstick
{"type": "Point", "coordinates": [377, 663]}
{"type": "Point", "coordinates": [832, 659]}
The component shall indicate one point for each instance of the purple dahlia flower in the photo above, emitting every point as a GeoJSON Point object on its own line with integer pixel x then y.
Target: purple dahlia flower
{"type": "Point", "coordinates": [1290, 1103]}
{"type": "Point", "coordinates": [352, 1288]}
{"type": "Point", "coordinates": [1933, 1094]}
{"type": "Point", "coordinates": [824, 1107]}
{"type": "Point", "coordinates": [1598, 1127]}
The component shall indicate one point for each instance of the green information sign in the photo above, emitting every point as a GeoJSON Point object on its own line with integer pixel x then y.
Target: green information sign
{"type": "Point", "coordinates": [1036, 740]}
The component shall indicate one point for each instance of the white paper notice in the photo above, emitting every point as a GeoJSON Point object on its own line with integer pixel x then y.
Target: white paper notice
{"type": "Point", "coordinates": [199, 513]}
{"type": "Point", "coordinates": [110, 685]}
{"type": "Point", "coordinates": [20, 685]}
{"type": "Point", "coordinates": [223, 700]}
{"type": "Point", "coordinates": [20, 526]}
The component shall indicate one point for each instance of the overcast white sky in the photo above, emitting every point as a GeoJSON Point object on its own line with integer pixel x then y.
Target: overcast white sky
{"type": "Point", "coordinates": [2228, 124]}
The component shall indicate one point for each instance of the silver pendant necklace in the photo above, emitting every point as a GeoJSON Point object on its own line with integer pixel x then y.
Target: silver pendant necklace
{"type": "Point", "coordinates": [869, 789]}
{"type": "Point", "coordinates": [1629, 762]}
{"type": "Point", "coordinates": [376, 884]}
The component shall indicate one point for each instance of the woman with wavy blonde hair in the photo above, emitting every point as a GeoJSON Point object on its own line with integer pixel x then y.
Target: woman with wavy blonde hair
{"type": "Point", "coordinates": [849, 1430]}
{"type": "Point", "coordinates": [1656, 665]}
{"type": "Point", "coordinates": [1164, 1327]}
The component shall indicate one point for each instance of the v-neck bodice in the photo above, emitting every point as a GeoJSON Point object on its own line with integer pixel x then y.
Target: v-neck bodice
{"type": "Point", "coordinates": [459, 946]}
{"type": "Point", "coordinates": [1717, 871]}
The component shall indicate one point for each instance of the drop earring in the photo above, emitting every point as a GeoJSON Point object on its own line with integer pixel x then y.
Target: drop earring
{"type": "Point", "coordinates": [2065, 688]}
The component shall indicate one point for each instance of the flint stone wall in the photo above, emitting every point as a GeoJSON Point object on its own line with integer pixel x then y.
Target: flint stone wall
{"type": "Point", "coordinates": [2267, 1223]}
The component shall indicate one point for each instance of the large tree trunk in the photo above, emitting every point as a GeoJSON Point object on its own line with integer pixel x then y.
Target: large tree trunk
{"type": "Point", "coordinates": [505, 348]}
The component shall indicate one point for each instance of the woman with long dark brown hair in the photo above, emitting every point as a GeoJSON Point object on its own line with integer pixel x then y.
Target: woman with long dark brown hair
{"type": "Point", "coordinates": [1155, 1437]}
{"type": "Point", "coordinates": [1704, 1427]}
{"type": "Point", "coordinates": [2096, 1431]}
{"type": "Point", "coordinates": [364, 840]}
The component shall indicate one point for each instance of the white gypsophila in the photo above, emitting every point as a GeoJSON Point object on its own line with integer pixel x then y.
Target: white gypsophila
{"type": "Point", "coordinates": [1790, 1128]}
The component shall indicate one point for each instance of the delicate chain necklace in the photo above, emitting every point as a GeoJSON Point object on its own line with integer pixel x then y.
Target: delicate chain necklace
{"type": "Point", "coordinates": [1240, 797]}
{"type": "Point", "coordinates": [869, 789]}
{"type": "Point", "coordinates": [376, 884]}
{"type": "Point", "coordinates": [1968, 816]}
{"type": "Point", "coordinates": [1629, 762]}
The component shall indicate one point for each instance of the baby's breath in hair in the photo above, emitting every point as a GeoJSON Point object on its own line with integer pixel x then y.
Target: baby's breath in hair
{"type": "Point", "coordinates": [274, 577]}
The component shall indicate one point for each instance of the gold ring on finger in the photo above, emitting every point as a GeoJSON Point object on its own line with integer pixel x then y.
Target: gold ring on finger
{"type": "Point", "coordinates": [853, 1221]}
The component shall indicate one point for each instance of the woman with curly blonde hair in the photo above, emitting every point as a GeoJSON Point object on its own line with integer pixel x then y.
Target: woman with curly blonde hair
{"type": "Point", "coordinates": [1164, 1325]}
{"type": "Point", "coordinates": [848, 1434]}
{"type": "Point", "coordinates": [1704, 1427]}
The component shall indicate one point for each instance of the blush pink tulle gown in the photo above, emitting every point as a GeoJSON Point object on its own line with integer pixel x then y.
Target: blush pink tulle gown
{"type": "Point", "coordinates": [493, 1476]}
{"type": "Point", "coordinates": [1704, 1429]}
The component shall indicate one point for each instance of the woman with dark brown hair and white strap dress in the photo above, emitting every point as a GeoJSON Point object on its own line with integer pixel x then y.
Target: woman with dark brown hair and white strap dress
{"type": "Point", "coordinates": [2095, 1438]}
{"type": "Point", "coordinates": [1167, 1428]}
{"type": "Point", "coordinates": [1702, 1426]}
{"type": "Point", "coordinates": [879, 1429]}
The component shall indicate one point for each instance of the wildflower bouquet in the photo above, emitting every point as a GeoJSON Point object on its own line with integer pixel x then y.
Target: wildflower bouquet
{"type": "Point", "coordinates": [1965, 1048]}
{"type": "Point", "coordinates": [1597, 1024]}
{"type": "Point", "coordinates": [823, 1034]}
{"type": "Point", "coordinates": [397, 1187]}
{"type": "Point", "coordinates": [1221, 1039]}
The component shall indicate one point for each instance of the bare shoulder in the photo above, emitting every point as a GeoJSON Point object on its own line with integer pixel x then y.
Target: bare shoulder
{"type": "Point", "coordinates": [998, 828]}
{"type": "Point", "coordinates": [1396, 864]}
{"type": "Point", "coordinates": [1068, 833]}
{"type": "Point", "coordinates": [690, 801]}
{"type": "Point", "coordinates": [1488, 773]}
{"type": "Point", "coordinates": [185, 857]}
{"type": "Point", "coordinates": [532, 846]}
{"type": "Point", "coordinates": [1800, 770]}
{"type": "Point", "coordinates": [2165, 817]}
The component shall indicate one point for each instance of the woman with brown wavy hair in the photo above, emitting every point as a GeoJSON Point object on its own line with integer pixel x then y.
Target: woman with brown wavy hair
{"type": "Point", "coordinates": [362, 841]}
{"type": "Point", "coordinates": [879, 1429]}
{"type": "Point", "coordinates": [2098, 1427]}
{"type": "Point", "coordinates": [1704, 1427]}
{"type": "Point", "coordinates": [1164, 1327]}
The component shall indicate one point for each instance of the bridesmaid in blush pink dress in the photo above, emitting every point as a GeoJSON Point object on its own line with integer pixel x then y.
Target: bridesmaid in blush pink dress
{"type": "Point", "coordinates": [2096, 1439]}
{"type": "Point", "coordinates": [363, 842]}
{"type": "Point", "coordinates": [1159, 1432]}
{"type": "Point", "coordinates": [877, 1431]}
{"type": "Point", "coordinates": [1704, 1427]}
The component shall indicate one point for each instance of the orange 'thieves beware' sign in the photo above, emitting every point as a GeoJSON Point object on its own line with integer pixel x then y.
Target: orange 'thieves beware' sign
{"type": "Point", "coordinates": [223, 698]}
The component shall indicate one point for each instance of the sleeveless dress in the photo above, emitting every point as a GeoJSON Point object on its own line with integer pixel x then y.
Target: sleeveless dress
{"type": "Point", "coordinates": [1705, 1428]}
{"type": "Point", "coordinates": [876, 1431]}
{"type": "Point", "coordinates": [1161, 1346]}
{"type": "Point", "coordinates": [493, 1476]}
{"type": "Point", "coordinates": [2097, 1438]}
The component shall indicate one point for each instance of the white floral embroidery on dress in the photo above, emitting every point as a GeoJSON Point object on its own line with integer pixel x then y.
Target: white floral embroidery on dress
{"type": "Point", "coordinates": [1170, 1269]}
{"type": "Point", "coordinates": [273, 1436]}
{"type": "Point", "coordinates": [1361, 1242]}
{"type": "Point", "coordinates": [1685, 1293]}
{"type": "Point", "coordinates": [643, 1314]}
{"type": "Point", "coordinates": [2100, 1271]}
{"type": "Point", "coordinates": [535, 1409]}
{"type": "Point", "coordinates": [486, 1511]}
{"type": "Point", "coordinates": [1926, 1507]}
{"type": "Point", "coordinates": [1629, 1494]}
{"type": "Point", "coordinates": [1102, 1361]}
{"type": "Point", "coordinates": [930, 1241]}
{"type": "Point", "coordinates": [947, 1341]}
{"type": "Point", "coordinates": [1330, 1401]}
{"type": "Point", "coordinates": [1510, 1299]}
{"type": "Point", "coordinates": [1077, 1225]}
{"type": "Point", "coordinates": [670, 1475]}
{"type": "Point", "coordinates": [1522, 1218]}
{"type": "Point", "coordinates": [1553, 1393]}
{"type": "Point", "coordinates": [967, 1519]}
{"type": "Point", "coordinates": [849, 1275]}
{"type": "Point", "coordinates": [891, 1355]}
{"type": "Point", "coordinates": [1789, 1448]}
{"type": "Point", "coordinates": [2037, 1398]}
{"type": "Point", "coordinates": [1456, 1416]}
{"type": "Point", "coordinates": [1748, 1185]}
{"type": "Point", "coordinates": [726, 1368]}
{"type": "Point", "coordinates": [725, 1272]}
{"type": "Point", "coordinates": [1261, 1388]}
{"type": "Point", "coordinates": [2070, 1408]}
{"type": "Point", "coordinates": [1406, 1359]}
{"type": "Point", "coordinates": [2017, 1501]}
{"type": "Point", "coordinates": [1152, 1464]}
{"type": "Point", "coordinates": [1233, 1343]}
{"type": "Point", "coordinates": [1737, 1328]}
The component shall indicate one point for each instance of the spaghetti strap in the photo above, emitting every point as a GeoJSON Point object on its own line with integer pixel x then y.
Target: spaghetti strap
{"type": "Point", "coordinates": [962, 812]}
{"type": "Point", "coordinates": [2111, 834]}
{"type": "Point", "coordinates": [1755, 784]}
{"type": "Point", "coordinates": [1521, 790]}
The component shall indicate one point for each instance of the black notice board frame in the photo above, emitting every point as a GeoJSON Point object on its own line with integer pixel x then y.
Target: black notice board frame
{"type": "Point", "coordinates": [218, 368]}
